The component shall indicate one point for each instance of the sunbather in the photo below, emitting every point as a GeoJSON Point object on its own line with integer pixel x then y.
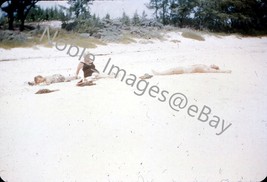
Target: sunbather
{"type": "Point", "coordinates": [57, 78]}
{"type": "Point", "coordinates": [198, 68]}
{"type": "Point", "coordinates": [89, 71]}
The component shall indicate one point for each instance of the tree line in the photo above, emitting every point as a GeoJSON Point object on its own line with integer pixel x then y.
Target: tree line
{"type": "Point", "coordinates": [54, 13]}
{"type": "Point", "coordinates": [231, 16]}
{"type": "Point", "coordinates": [242, 16]}
{"type": "Point", "coordinates": [21, 10]}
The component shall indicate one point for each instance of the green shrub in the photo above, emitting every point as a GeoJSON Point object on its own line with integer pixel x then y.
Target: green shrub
{"type": "Point", "coordinates": [91, 25]}
{"type": "Point", "coordinates": [69, 26]}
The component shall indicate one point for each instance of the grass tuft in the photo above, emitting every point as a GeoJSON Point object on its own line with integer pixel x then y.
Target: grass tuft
{"type": "Point", "coordinates": [192, 35]}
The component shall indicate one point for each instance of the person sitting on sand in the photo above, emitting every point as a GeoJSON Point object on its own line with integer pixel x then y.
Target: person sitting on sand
{"type": "Point", "coordinates": [88, 68]}
{"type": "Point", "coordinates": [198, 68]}
{"type": "Point", "coordinates": [89, 71]}
{"type": "Point", "coordinates": [56, 78]}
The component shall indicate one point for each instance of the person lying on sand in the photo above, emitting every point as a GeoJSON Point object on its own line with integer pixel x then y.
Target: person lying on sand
{"type": "Point", "coordinates": [198, 68]}
{"type": "Point", "coordinates": [56, 78]}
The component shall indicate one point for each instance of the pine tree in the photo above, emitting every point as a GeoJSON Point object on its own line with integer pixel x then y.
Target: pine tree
{"type": "Point", "coordinates": [154, 4]}
{"type": "Point", "coordinates": [144, 16]}
{"type": "Point", "coordinates": [125, 19]}
{"type": "Point", "coordinates": [80, 8]}
{"type": "Point", "coordinates": [162, 9]}
{"type": "Point", "coordinates": [136, 19]}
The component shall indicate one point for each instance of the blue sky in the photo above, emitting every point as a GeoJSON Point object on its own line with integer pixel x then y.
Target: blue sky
{"type": "Point", "coordinates": [115, 8]}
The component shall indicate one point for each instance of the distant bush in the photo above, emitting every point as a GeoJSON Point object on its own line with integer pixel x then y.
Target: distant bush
{"type": "Point", "coordinates": [90, 26]}
{"type": "Point", "coordinates": [9, 36]}
{"type": "Point", "coordinates": [115, 30]}
{"type": "Point", "coordinates": [69, 26]}
{"type": "Point", "coordinates": [107, 16]}
{"type": "Point", "coordinates": [9, 39]}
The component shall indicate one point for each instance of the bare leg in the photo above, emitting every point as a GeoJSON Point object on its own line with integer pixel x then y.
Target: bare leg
{"type": "Point", "coordinates": [99, 76]}
{"type": "Point", "coordinates": [219, 71]}
{"type": "Point", "coordinates": [206, 69]}
{"type": "Point", "coordinates": [70, 78]}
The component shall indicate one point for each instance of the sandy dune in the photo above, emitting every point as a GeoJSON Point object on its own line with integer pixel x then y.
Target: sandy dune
{"type": "Point", "coordinates": [108, 133]}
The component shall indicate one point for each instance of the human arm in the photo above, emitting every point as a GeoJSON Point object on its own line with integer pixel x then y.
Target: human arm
{"type": "Point", "coordinates": [79, 67]}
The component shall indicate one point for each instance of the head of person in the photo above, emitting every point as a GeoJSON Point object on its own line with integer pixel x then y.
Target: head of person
{"type": "Point", "coordinates": [89, 58]}
{"type": "Point", "coordinates": [39, 79]}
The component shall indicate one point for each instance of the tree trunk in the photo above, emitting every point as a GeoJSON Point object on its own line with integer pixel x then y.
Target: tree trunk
{"type": "Point", "coordinates": [156, 4]}
{"type": "Point", "coordinates": [163, 13]}
{"type": "Point", "coordinates": [22, 20]}
{"type": "Point", "coordinates": [10, 21]}
{"type": "Point", "coordinates": [23, 12]}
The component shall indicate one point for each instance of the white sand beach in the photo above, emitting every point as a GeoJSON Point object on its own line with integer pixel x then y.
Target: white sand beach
{"type": "Point", "coordinates": [107, 133]}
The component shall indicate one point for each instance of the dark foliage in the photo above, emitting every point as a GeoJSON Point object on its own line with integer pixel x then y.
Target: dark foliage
{"type": "Point", "coordinates": [232, 16]}
{"type": "Point", "coordinates": [18, 8]}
